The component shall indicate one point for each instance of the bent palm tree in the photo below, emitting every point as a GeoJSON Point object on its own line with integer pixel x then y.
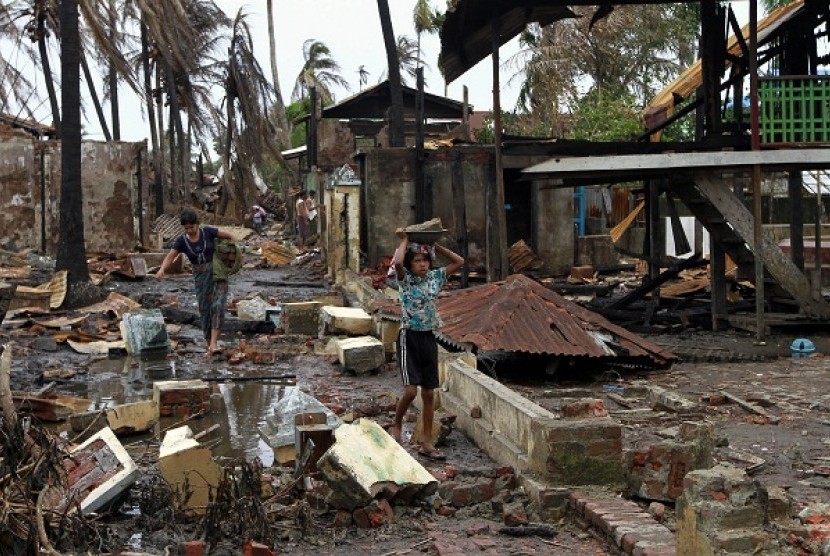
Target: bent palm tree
{"type": "Point", "coordinates": [248, 93]}
{"type": "Point", "coordinates": [319, 70]}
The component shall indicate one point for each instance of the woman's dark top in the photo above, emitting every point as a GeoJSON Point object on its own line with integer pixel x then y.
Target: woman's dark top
{"type": "Point", "coordinates": [201, 250]}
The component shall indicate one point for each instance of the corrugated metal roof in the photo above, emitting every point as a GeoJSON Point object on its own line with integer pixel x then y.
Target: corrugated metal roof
{"type": "Point", "coordinates": [521, 315]}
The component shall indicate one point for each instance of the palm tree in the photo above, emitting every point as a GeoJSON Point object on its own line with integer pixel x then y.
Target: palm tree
{"type": "Point", "coordinates": [426, 20]}
{"type": "Point", "coordinates": [71, 254]}
{"type": "Point", "coordinates": [279, 105]}
{"type": "Point", "coordinates": [247, 138]}
{"type": "Point", "coordinates": [319, 70]}
{"type": "Point", "coordinates": [362, 76]}
{"type": "Point", "coordinates": [396, 131]}
{"type": "Point", "coordinates": [16, 90]}
{"type": "Point", "coordinates": [408, 57]}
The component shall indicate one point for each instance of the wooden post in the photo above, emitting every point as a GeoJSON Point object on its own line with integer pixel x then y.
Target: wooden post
{"type": "Point", "coordinates": [422, 213]}
{"type": "Point", "coordinates": [460, 213]}
{"type": "Point", "coordinates": [717, 277]}
{"type": "Point", "coordinates": [496, 218]}
{"type": "Point", "coordinates": [756, 170]}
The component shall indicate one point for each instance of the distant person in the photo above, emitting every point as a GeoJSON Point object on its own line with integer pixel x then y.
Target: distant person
{"type": "Point", "coordinates": [258, 215]}
{"type": "Point", "coordinates": [313, 206]}
{"type": "Point", "coordinates": [301, 216]}
{"type": "Point", "coordinates": [419, 285]}
{"type": "Point", "coordinates": [198, 244]}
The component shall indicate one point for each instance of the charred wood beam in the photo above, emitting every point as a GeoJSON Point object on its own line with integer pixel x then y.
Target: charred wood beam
{"type": "Point", "coordinates": [649, 285]}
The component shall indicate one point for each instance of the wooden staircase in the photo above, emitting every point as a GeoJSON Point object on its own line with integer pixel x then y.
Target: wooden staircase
{"type": "Point", "coordinates": [730, 224]}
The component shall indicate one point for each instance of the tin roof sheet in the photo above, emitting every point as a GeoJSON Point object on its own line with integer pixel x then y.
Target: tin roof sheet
{"type": "Point", "coordinates": [521, 315]}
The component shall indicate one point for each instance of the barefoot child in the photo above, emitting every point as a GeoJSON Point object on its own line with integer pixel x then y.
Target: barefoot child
{"type": "Point", "coordinates": [419, 285]}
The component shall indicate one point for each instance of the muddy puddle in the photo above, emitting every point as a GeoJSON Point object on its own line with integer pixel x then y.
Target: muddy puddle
{"type": "Point", "coordinates": [239, 405]}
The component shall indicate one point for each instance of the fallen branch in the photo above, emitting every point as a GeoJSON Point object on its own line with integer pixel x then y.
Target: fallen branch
{"type": "Point", "coordinates": [41, 530]}
{"type": "Point", "coordinates": [529, 531]}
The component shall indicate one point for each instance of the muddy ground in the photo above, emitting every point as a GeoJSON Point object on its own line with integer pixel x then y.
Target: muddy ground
{"type": "Point", "coordinates": [794, 451]}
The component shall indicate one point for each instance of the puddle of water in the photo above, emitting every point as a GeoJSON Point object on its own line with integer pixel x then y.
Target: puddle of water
{"type": "Point", "coordinates": [238, 407]}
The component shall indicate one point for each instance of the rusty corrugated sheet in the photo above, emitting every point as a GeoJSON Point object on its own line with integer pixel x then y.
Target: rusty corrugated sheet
{"type": "Point", "coordinates": [521, 315]}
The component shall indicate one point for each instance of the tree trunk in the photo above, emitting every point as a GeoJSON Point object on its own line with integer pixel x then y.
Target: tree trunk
{"type": "Point", "coordinates": [95, 101]}
{"type": "Point", "coordinates": [159, 98]}
{"type": "Point", "coordinates": [71, 255]}
{"type": "Point", "coordinates": [47, 73]}
{"type": "Point", "coordinates": [177, 140]}
{"type": "Point", "coordinates": [113, 78]}
{"type": "Point", "coordinates": [396, 130]}
{"type": "Point", "coordinates": [279, 108]}
{"type": "Point", "coordinates": [158, 164]}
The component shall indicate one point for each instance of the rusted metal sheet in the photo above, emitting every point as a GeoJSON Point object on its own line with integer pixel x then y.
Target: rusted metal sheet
{"type": "Point", "coordinates": [521, 315]}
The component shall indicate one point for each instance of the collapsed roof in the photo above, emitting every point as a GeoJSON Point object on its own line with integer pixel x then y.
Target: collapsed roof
{"type": "Point", "coordinates": [521, 315]}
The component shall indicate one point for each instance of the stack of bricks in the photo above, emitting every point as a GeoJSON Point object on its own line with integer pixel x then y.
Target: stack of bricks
{"type": "Point", "coordinates": [629, 528]}
{"type": "Point", "coordinates": [657, 472]}
{"type": "Point", "coordinates": [181, 398]}
{"type": "Point", "coordinates": [583, 448]}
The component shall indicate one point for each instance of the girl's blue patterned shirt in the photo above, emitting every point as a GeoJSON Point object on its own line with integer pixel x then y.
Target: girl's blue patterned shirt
{"type": "Point", "coordinates": [418, 295]}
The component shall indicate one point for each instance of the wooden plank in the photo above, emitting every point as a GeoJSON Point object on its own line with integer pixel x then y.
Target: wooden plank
{"type": "Point", "coordinates": [752, 408]}
{"type": "Point", "coordinates": [775, 260]}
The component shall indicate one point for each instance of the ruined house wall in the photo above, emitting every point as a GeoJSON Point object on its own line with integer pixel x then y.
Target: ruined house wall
{"type": "Point", "coordinates": [116, 209]}
{"type": "Point", "coordinates": [554, 228]}
{"type": "Point", "coordinates": [389, 197]}
{"type": "Point", "coordinates": [19, 196]}
{"type": "Point", "coordinates": [335, 144]}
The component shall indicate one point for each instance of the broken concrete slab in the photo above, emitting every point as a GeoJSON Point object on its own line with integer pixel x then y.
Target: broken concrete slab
{"type": "Point", "coordinates": [98, 471]}
{"type": "Point", "coordinates": [279, 429]}
{"type": "Point", "coordinates": [144, 331]}
{"type": "Point", "coordinates": [361, 355]}
{"type": "Point", "coordinates": [366, 462]}
{"type": "Point", "coordinates": [181, 397]}
{"type": "Point", "coordinates": [351, 321]}
{"type": "Point", "coordinates": [188, 468]}
{"type": "Point", "coordinates": [661, 398]}
{"type": "Point", "coordinates": [254, 309]}
{"type": "Point", "coordinates": [301, 318]}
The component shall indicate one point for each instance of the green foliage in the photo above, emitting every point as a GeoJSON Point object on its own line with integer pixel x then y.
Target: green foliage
{"type": "Point", "coordinates": [296, 114]}
{"type": "Point", "coordinates": [603, 116]}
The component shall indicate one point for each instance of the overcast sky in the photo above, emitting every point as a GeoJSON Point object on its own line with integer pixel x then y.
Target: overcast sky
{"type": "Point", "coordinates": [351, 30]}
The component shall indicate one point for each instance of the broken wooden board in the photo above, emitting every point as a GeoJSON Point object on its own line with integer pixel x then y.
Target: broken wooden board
{"type": "Point", "coordinates": [56, 287]}
{"type": "Point", "coordinates": [48, 407]}
{"type": "Point", "coordinates": [752, 408]}
{"type": "Point", "coordinates": [115, 303]}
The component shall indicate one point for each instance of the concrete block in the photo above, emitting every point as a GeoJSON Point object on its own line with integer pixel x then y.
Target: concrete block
{"type": "Point", "coordinates": [661, 398]}
{"type": "Point", "coordinates": [135, 417]}
{"type": "Point", "coordinates": [351, 321]}
{"type": "Point", "coordinates": [279, 428]}
{"type": "Point", "coordinates": [361, 355]}
{"type": "Point", "coordinates": [98, 471]}
{"type": "Point", "coordinates": [188, 468]}
{"type": "Point", "coordinates": [365, 462]}
{"type": "Point", "coordinates": [387, 331]}
{"type": "Point", "coordinates": [143, 331]}
{"type": "Point", "coordinates": [301, 318]}
{"type": "Point", "coordinates": [181, 397]}
{"type": "Point", "coordinates": [253, 309]}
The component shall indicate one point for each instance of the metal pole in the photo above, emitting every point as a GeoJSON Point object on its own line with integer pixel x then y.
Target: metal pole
{"type": "Point", "coordinates": [756, 171]}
